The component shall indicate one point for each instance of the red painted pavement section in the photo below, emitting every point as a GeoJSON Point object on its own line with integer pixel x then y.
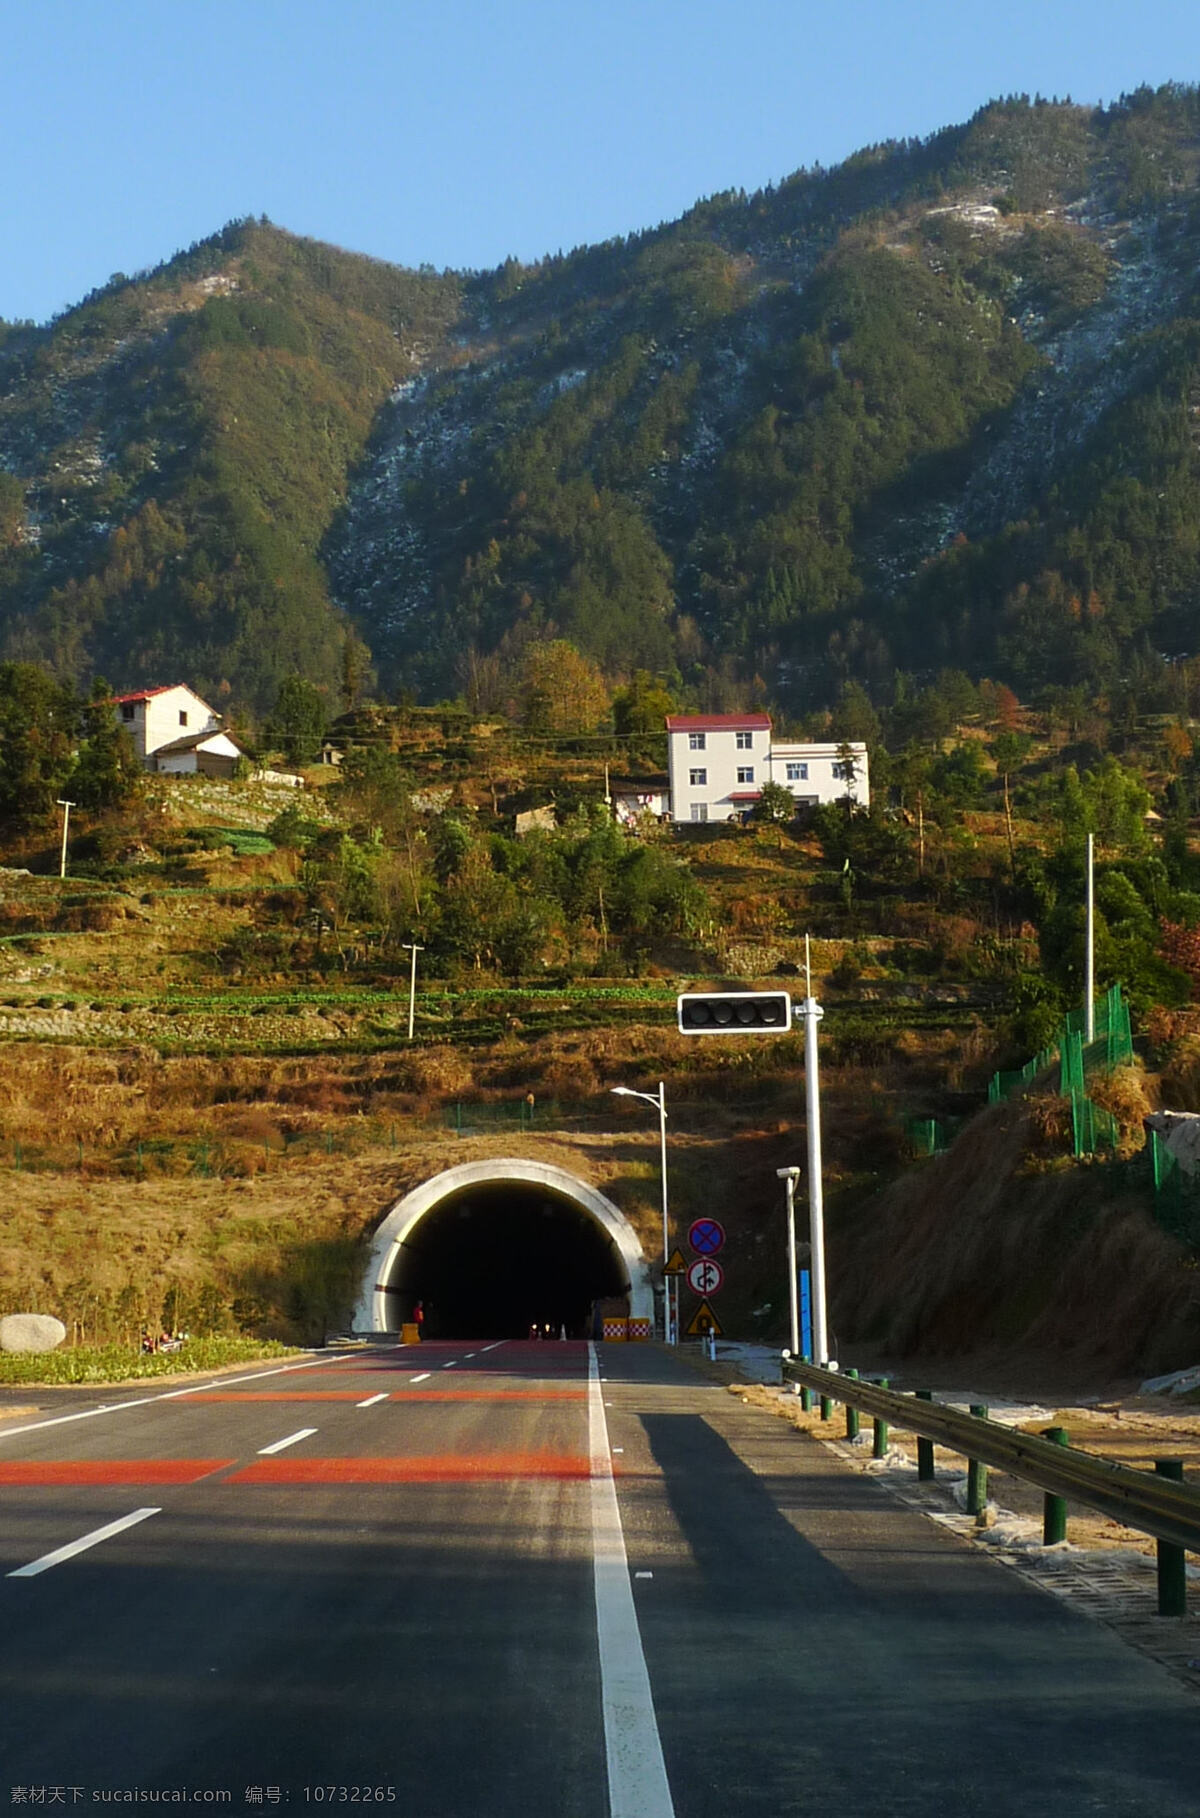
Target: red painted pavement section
{"type": "Point", "coordinates": [112, 1470]}
{"type": "Point", "coordinates": [446, 1467]}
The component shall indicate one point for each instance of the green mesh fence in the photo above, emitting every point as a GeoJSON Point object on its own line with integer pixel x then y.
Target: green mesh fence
{"type": "Point", "coordinates": [929, 1135]}
{"type": "Point", "coordinates": [1007, 1085]}
{"type": "Point", "coordinates": [1093, 1129]}
{"type": "Point", "coordinates": [1111, 1046]}
{"type": "Point", "coordinates": [1176, 1194]}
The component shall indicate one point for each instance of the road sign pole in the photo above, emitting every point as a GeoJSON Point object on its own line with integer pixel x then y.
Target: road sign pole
{"type": "Point", "coordinates": [806, 1344]}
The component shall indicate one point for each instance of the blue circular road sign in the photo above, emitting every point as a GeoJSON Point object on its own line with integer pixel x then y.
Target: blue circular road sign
{"type": "Point", "coordinates": [706, 1236]}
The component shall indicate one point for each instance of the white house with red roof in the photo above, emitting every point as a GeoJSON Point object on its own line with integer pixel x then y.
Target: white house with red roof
{"type": "Point", "coordinates": [176, 733]}
{"type": "Point", "coordinates": [718, 763]}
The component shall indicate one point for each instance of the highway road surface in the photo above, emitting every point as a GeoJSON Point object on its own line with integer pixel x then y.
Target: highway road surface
{"type": "Point", "coordinates": [498, 1579]}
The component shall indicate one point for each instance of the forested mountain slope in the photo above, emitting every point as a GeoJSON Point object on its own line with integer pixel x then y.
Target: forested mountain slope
{"type": "Point", "coordinates": [936, 407]}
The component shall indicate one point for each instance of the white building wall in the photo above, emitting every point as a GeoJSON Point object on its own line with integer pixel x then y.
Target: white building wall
{"type": "Point", "coordinates": [705, 776]}
{"type": "Point", "coordinates": [187, 763]}
{"type": "Point", "coordinates": [164, 715]}
{"type": "Point", "coordinates": [732, 762]}
{"type": "Point", "coordinates": [822, 779]}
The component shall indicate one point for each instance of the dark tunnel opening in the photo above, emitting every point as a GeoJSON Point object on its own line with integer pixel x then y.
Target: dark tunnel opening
{"type": "Point", "coordinates": [499, 1260]}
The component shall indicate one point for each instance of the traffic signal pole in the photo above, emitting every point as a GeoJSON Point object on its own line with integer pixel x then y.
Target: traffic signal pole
{"type": "Point", "coordinates": [812, 1013]}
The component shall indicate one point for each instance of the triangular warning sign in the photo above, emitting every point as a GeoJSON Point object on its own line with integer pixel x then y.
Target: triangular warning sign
{"type": "Point", "coordinates": [676, 1263]}
{"type": "Point", "coordinates": [704, 1321]}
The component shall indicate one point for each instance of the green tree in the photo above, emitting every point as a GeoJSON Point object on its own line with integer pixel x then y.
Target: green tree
{"type": "Point", "coordinates": [107, 772]}
{"type": "Point", "coordinates": [640, 708]}
{"type": "Point", "coordinates": [38, 721]}
{"type": "Point", "coordinates": [776, 806]}
{"type": "Point", "coordinates": [298, 719]}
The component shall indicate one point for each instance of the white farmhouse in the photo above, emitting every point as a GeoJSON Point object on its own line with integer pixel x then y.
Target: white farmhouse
{"type": "Point", "coordinates": [176, 733]}
{"type": "Point", "coordinates": [718, 763]}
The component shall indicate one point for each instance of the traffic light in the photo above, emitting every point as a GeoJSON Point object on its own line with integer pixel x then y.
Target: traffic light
{"type": "Point", "coordinates": [734, 1013]}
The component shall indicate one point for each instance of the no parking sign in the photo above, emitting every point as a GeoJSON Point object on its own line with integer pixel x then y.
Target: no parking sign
{"type": "Point", "coordinates": [706, 1236]}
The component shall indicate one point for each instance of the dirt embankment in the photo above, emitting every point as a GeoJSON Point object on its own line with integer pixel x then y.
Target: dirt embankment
{"type": "Point", "coordinates": [1000, 1253]}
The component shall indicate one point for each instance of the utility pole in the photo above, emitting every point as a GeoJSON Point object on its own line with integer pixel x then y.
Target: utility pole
{"type": "Point", "coordinates": [414, 949]}
{"type": "Point", "coordinates": [813, 1013]}
{"type": "Point", "coordinates": [66, 808]}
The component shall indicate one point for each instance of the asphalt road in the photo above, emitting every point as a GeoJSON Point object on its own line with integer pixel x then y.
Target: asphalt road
{"type": "Point", "coordinates": [480, 1582]}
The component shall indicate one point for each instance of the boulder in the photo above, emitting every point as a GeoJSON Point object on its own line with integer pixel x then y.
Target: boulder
{"type": "Point", "coordinates": [31, 1332]}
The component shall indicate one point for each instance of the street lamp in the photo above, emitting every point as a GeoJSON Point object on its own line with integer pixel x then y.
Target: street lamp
{"type": "Point", "coordinates": [659, 1101]}
{"type": "Point", "coordinates": [790, 1176]}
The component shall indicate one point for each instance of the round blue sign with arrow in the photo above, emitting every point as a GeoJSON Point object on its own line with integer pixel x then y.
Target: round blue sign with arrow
{"type": "Point", "coordinates": [706, 1236]}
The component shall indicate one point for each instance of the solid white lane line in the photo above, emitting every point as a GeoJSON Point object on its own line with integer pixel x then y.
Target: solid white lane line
{"type": "Point", "coordinates": [423, 1377]}
{"type": "Point", "coordinates": [82, 1544]}
{"type": "Point", "coordinates": [637, 1775]}
{"type": "Point", "coordinates": [281, 1445]}
{"type": "Point", "coordinates": [372, 1399]}
{"type": "Point", "coordinates": [147, 1401]}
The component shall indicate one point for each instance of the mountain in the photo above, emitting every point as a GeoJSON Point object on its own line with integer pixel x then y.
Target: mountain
{"type": "Point", "coordinates": [935, 408]}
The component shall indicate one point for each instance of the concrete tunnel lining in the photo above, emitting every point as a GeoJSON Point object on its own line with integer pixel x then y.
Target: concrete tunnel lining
{"type": "Point", "coordinates": [372, 1313]}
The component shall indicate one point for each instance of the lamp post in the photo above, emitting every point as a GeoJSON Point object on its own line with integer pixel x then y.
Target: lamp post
{"type": "Point", "coordinates": [414, 949]}
{"type": "Point", "coordinates": [66, 808]}
{"type": "Point", "coordinates": [659, 1100]}
{"type": "Point", "coordinates": [790, 1176]}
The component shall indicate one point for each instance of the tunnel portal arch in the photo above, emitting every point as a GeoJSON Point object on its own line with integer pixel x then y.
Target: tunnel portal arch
{"type": "Point", "coordinates": [393, 1243]}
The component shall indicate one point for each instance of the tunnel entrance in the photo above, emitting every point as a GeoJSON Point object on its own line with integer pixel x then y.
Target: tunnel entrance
{"type": "Point", "coordinates": [495, 1249]}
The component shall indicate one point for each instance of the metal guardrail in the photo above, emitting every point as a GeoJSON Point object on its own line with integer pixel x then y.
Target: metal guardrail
{"type": "Point", "coordinates": [1151, 1503]}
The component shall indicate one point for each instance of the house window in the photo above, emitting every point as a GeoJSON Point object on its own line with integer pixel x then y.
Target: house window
{"type": "Point", "coordinates": [699, 811]}
{"type": "Point", "coordinates": [797, 773]}
{"type": "Point", "coordinates": [696, 741]}
{"type": "Point", "coordinates": [745, 741]}
{"type": "Point", "coordinates": [182, 716]}
{"type": "Point", "coordinates": [844, 772]}
{"type": "Point", "coordinates": [698, 778]}
{"type": "Point", "coordinates": [745, 773]}
{"type": "Point", "coordinates": [127, 710]}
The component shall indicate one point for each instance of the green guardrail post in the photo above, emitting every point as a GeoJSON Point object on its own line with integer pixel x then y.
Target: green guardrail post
{"type": "Point", "coordinates": [1054, 1508]}
{"type": "Point", "coordinates": [826, 1407]}
{"type": "Point", "coordinates": [879, 1429]}
{"type": "Point", "coordinates": [924, 1446]}
{"type": "Point", "coordinates": [977, 1476]}
{"type": "Point", "coordinates": [851, 1413]}
{"type": "Point", "coordinates": [1172, 1566]}
{"type": "Point", "coordinates": [806, 1398]}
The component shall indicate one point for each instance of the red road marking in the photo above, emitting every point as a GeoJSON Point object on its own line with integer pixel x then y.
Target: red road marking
{"type": "Point", "coordinates": [112, 1470]}
{"type": "Point", "coordinates": [445, 1467]}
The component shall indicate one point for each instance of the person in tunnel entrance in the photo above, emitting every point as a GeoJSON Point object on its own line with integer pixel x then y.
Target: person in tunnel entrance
{"type": "Point", "coordinates": [502, 1259]}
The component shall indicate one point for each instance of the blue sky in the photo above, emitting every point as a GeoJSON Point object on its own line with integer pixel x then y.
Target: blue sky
{"type": "Point", "coordinates": [455, 132]}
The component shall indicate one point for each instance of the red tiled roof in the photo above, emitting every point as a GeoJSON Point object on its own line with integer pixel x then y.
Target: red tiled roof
{"type": "Point", "coordinates": [145, 694]}
{"type": "Point", "coordinates": [745, 795]}
{"type": "Point", "coordinates": [718, 722]}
